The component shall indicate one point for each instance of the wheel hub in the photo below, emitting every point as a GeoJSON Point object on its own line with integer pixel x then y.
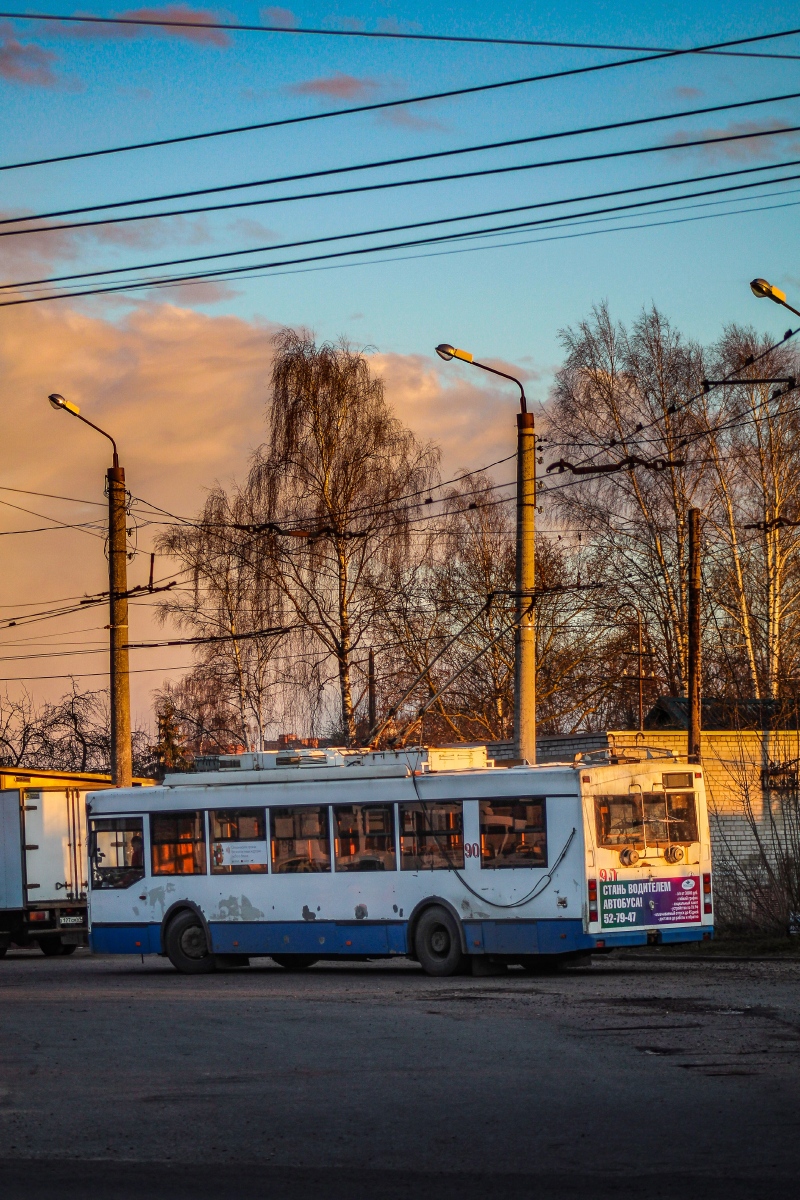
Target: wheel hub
{"type": "Point", "coordinates": [440, 941]}
{"type": "Point", "coordinates": [193, 942]}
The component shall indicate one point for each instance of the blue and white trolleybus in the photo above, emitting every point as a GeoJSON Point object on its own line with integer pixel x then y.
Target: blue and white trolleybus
{"type": "Point", "coordinates": [312, 855]}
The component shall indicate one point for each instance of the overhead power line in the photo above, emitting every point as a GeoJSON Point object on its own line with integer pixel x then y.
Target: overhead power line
{"type": "Point", "coordinates": [401, 183]}
{"type": "Point", "coordinates": [407, 159]}
{"type": "Point", "coordinates": [232, 272]}
{"type": "Point", "coordinates": [391, 35]}
{"type": "Point", "coordinates": [270, 249]}
{"type": "Point", "coordinates": [376, 106]}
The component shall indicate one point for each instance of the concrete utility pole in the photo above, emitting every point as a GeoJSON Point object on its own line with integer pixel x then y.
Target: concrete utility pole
{"type": "Point", "coordinates": [695, 645]}
{"type": "Point", "coordinates": [638, 611]}
{"type": "Point", "coordinates": [121, 757]}
{"type": "Point", "coordinates": [525, 628]}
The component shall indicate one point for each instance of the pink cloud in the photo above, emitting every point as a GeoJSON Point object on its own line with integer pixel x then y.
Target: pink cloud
{"type": "Point", "coordinates": [390, 25]}
{"type": "Point", "coordinates": [404, 118]}
{"type": "Point", "coordinates": [25, 63]}
{"type": "Point", "coordinates": [170, 12]}
{"type": "Point", "coordinates": [244, 227]}
{"type": "Point", "coordinates": [688, 93]}
{"type": "Point", "coordinates": [155, 379]}
{"type": "Point", "coordinates": [338, 87]}
{"type": "Point", "coordinates": [202, 292]}
{"type": "Point", "coordinates": [284, 18]}
{"type": "Point", "coordinates": [758, 143]}
{"type": "Point", "coordinates": [182, 12]}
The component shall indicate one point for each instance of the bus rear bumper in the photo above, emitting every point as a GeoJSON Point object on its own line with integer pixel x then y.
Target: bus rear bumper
{"type": "Point", "coordinates": [653, 937]}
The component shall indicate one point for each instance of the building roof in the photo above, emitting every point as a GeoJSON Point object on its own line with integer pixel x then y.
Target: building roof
{"type": "Point", "coordinates": [672, 712]}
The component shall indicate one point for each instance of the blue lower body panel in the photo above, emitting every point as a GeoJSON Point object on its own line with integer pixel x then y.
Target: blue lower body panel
{"type": "Point", "coordinates": [378, 938]}
{"type": "Point", "coordinates": [125, 939]}
{"type": "Point", "coordinates": [386, 939]}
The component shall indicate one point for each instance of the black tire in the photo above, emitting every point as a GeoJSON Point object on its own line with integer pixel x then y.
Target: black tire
{"type": "Point", "coordinates": [294, 962]}
{"type": "Point", "coordinates": [51, 947]}
{"type": "Point", "coordinates": [187, 945]}
{"type": "Point", "coordinates": [68, 948]}
{"type": "Point", "coordinates": [437, 943]}
{"type": "Point", "coordinates": [3, 951]}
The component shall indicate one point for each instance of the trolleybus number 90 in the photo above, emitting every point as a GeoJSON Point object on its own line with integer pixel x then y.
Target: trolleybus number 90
{"type": "Point", "coordinates": [472, 850]}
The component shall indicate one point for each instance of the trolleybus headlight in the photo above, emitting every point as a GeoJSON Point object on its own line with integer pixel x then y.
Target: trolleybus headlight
{"type": "Point", "coordinates": [629, 857]}
{"type": "Point", "coordinates": [673, 854]}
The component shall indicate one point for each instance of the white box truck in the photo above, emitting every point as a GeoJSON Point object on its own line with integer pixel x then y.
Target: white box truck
{"type": "Point", "coordinates": [43, 864]}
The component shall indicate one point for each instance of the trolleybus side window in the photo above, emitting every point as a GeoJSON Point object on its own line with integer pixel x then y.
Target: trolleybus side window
{"type": "Point", "coordinates": [513, 832]}
{"type": "Point", "coordinates": [116, 851]}
{"type": "Point", "coordinates": [238, 841]}
{"type": "Point", "coordinates": [364, 837]}
{"type": "Point", "coordinates": [178, 843]}
{"type": "Point", "coordinates": [300, 839]}
{"type": "Point", "coordinates": [431, 836]}
{"type": "Point", "coordinates": [619, 820]}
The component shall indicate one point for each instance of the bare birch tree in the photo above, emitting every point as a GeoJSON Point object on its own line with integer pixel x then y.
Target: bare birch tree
{"type": "Point", "coordinates": [341, 468]}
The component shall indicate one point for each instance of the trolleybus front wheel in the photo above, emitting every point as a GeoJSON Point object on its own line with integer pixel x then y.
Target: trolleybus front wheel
{"type": "Point", "coordinates": [437, 943]}
{"type": "Point", "coordinates": [187, 946]}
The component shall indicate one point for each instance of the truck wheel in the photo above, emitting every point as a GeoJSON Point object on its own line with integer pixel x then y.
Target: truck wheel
{"type": "Point", "coordinates": [51, 946]}
{"type": "Point", "coordinates": [437, 943]}
{"type": "Point", "coordinates": [3, 951]}
{"type": "Point", "coordinates": [187, 947]}
{"type": "Point", "coordinates": [294, 962]}
{"type": "Point", "coordinates": [68, 948]}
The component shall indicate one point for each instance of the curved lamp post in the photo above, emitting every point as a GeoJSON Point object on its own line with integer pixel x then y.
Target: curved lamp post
{"type": "Point", "coordinates": [121, 757]}
{"type": "Point", "coordinates": [525, 628]}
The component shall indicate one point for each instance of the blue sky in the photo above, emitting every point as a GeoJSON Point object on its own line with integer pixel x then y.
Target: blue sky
{"type": "Point", "coordinates": [181, 375]}
{"type": "Point", "coordinates": [507, 302]}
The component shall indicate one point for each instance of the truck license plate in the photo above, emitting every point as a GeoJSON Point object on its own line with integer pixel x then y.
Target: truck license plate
{"type": "Point", "coordinates": [70, 920]}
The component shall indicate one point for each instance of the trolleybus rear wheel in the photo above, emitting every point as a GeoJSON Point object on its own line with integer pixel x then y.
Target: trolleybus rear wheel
{"type": "Point", "coordinates": [437, 943]}
{"type": "Point", "coordinates": [294, 962]}
{"type": "Point", "coordinates": [187, 945]}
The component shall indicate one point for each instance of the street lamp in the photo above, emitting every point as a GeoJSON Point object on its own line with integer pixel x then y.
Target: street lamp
{"type": "Point", "coordinates": [525, 628]}
{"type": "Point", "coordinates": [765, 291]}
{"type": "Point", "coordinates": [121, 760]}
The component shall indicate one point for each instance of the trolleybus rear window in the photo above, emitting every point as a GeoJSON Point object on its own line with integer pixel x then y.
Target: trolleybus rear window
{"type": "Point", "coordinates": [620, 821]}
{"type": "Point", "coordinates": [116, 851]}
{"type": "Point", "coordinates": [364, 836]}
{"type": "Point", "coordinates": [300, 839]}
{"type": "Point", "coordinates": [238, 841]}
{"type": "Point", "coordinates": [652, 819]}
{"type": "Point", "coordinates": [178, 843]}
{"type": "Point", "coordinates": [431, 836]}
{"type": "Point", "coordinates": [670, 817]}
{"type": "Point", "coordinates": [513, 832]}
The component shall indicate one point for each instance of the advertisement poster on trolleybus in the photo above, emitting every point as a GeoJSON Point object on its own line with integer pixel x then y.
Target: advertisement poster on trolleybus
{"type": "Point", "coordinates": [630, 902]}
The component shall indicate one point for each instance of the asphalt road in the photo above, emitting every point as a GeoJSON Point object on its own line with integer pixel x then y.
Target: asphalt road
{"type": "Point", "coordinates": [640, 1078]}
